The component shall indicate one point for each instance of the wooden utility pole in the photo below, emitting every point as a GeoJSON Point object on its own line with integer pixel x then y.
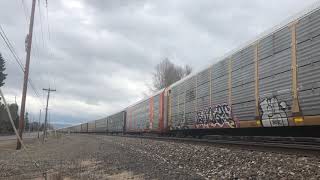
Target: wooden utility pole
{"type": "Point", "coordinates": [46, 115]}
{"type": "Point", "coordinates": [39, 124]}
{"type": "Point", "coordinates": [26, 74]}
{"type": "Point", "coordinates": [29, 124]}
{"type": "Point", "coordinates": [26, 124]}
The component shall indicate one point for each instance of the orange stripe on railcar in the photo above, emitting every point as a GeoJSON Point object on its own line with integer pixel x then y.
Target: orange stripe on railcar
{"type": "Point", "coordinates": [161, 112]}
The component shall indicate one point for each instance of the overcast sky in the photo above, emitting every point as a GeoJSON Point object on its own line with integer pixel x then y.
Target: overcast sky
{"type": "Point", "coordinates": [99, 54]}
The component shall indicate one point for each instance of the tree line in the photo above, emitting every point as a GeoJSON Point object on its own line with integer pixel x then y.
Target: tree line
{"type": "Point", "coordinates": [5, 124]}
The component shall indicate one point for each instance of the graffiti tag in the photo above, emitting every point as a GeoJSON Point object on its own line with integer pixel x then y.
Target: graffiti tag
{"type": "Point", "coordinates": [273, 112]}
{"type": "Point", "coordinates": [217, 116]}
{"type": "Point", "coordinates": [180, 124]}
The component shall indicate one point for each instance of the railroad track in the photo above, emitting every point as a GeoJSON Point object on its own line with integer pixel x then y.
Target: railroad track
{"type": "Point", "coordinates": [292, 143]}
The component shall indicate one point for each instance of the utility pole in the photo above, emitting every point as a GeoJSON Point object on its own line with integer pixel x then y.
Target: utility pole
{"type": "Point", "coordinates": [26, 74]}
{"type": "Point", "coordinates": [26, 121]}
{"type": "Point", "coordinates": [39, 124]}
{"type": "Point", "coordinates": [29, 124]}
{"type": "Point", "coordinates": [31, 129]}
{"type": "Point", "coordinates": [46, 115]}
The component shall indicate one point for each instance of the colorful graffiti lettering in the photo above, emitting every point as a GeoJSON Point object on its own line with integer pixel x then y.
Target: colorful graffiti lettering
{"type": "Point", "coordinates": [273, 112]}
{"type": "Point", "coordinates": [217, 116]}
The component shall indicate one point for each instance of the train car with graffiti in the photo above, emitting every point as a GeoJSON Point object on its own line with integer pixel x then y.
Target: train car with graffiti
{"type": "Point", "coordinates": [147, 115]}
{"type": "Point", "coordinates": [272, 82]}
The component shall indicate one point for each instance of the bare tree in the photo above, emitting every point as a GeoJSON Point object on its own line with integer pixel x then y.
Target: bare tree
{"type": "Point", "coordinates": [187, 70]}
{"type": "Point", "coordinates": [167, 73]}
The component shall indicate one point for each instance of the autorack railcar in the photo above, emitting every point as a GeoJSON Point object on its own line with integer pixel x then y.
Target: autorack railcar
{"type": "Point", "coordinates": [91, 126]}
{"type": "Point", "coordinates": [273, 81]}
{"type": "Point", "coordinates": [147, 115]}
{"type": "Point", "coordinates": [84, 127]}
{"type": "Point", "coordinates": [116, 122]}
{"type": "Point", "coordinates": [100, 125]}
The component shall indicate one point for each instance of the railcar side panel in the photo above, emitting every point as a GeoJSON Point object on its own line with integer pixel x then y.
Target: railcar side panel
{"type": "Point", "coordinates": [273, 82]}
{"type": "Point", "coordinates": [243, 85]}
{"type": "Point", "coordinates": [116, 122]}
{"type": "Point", "coordinates": [91, 126]}
{"type": "Point", "coordinates": [101, 125]}
{"type": "Point", "coordinates": [147, 115]}
{"type": "Point", "coordinates": [84, 127]}
{"type": "Point", "coordinates": [308, 60]}
{"type": "Point", "coordinates": [77, 128]}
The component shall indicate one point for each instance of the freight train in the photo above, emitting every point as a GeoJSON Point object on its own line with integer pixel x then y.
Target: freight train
{"type": "Point", "coordinates": [271, 83]}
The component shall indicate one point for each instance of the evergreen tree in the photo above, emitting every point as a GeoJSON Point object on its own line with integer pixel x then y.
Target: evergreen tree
{"type": "Point", "coordinates": [5, 125]}
{"type": "Point", "coordinates": [2, 68]}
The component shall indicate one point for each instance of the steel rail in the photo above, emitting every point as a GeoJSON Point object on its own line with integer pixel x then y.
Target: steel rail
{"type": "Point", "coordinates": [277, 142]}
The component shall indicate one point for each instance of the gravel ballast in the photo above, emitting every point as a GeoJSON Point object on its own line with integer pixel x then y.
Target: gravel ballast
{"type": "Point", "coordinates": [110, 157]}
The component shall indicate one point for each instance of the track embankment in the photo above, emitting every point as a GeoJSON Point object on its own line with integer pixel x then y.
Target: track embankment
{"type": "Point", "coordinates": [111, 157]}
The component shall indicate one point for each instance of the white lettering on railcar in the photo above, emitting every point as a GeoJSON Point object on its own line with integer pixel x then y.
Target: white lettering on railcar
{"type": "Point", "coordinates": [273, 112]}
{"type": "Point", "coordinates": [216, 116]}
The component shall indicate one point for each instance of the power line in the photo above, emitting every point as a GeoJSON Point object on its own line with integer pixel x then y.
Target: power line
{"type": "Point", "coordinates": [26, 72]}
{"type": "Point", "coordinates": [40, 22]}
{"type": "Point", "coordinates": [25, 9]}
{"type": "Point", "coordinates": [17, 59]}
{"type": "Point", "coordinates": [10, 47]}
{"type": "Point", "coordinates": [13, 52]}
{"type": "Point", "coordinates": [43, 37]}
{"type": "Point", "coordinates": [36, 52]}
{"type": "Point", "coordinates": [49, 35]}
{"type": "Point", "coordinates": [36, 48]}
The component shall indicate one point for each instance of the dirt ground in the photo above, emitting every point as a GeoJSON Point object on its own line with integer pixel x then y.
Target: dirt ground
{"type": "Point", "coordinates": [109, 157]}
{"type": "Point", "coordinates": [9, 142]}
{"type": "Point", "coordinates": [61, 157]}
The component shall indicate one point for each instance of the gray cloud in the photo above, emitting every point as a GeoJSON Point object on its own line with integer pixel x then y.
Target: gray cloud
{"type": "Point", "coordinates": [100, 54]}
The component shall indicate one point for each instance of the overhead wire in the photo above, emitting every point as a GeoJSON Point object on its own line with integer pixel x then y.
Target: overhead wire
{"type": "Point", "coordinates": [40, 18]}
{"type": "Point", "coordinates": [17, 59]}
{"type": "Point", "coordinates": [25, 9]}
{"type": "Point", "coordinates": [11, 48]}
{"type": "Point", "coordinates": [3, 35]}
{"type": "Point", "coordinates": [49, 35]}
{"type": "Point", "coordinates": [35, 53]}
{"type": "Point", "coordinates": [49, 47]}
{"type": "Point", "coordinates": [36, 48]}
